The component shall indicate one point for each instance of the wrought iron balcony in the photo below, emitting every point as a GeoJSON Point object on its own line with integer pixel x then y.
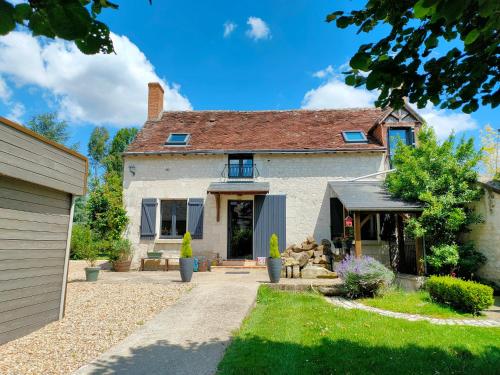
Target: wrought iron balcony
{"type": "Point", "coordinates": [240, 172]}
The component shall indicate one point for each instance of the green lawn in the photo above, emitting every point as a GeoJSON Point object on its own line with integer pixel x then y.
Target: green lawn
{"type": "Point", "coordinates": [300, 333]}
{"type": "Point", "coordinates": [413, 303]}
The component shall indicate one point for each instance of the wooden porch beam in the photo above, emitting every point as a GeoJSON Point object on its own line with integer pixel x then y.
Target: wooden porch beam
{"type": "Point", "coordinates": [357, 234]}
{"type": "Point", "coordinates": [419, 255]}
{"type": "Point", "coordinates": [217, 204]}
{"type": "Point", "coordinates": [366, 219]}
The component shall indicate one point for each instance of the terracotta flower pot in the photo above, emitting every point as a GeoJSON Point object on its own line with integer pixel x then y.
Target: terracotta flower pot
{"type": "Point", "coordinates": [122, 265]}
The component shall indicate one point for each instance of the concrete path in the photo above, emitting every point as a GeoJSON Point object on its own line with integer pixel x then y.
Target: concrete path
{"type": "Point", "coordinates": [189, 337]}
{"type": "Point", "coordinates": [349, 304]}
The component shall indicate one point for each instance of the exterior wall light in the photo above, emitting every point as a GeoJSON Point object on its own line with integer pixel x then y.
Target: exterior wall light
{"type": "Point", "coordinates": [131, 169]}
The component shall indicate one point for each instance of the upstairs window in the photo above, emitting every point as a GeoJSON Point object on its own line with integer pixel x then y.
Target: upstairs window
{"type": "Point", "coordinates": [177, 139]}
{"type": "Point", "coordinates": [354, 136]}
{"type": "Point", "coordinates": [397, 135]}
{"type": "Point", "coordinates": [240, 166]}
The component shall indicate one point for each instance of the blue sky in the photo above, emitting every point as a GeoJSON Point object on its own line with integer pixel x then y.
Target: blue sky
{"type": "Point", "coordinates": [276, 55]}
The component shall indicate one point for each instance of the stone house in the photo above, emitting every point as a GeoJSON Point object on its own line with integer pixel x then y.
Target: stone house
{"type": "Point", "coordinates": [486, 235]}
{"type": "Point", "coordinates": [232, 178]}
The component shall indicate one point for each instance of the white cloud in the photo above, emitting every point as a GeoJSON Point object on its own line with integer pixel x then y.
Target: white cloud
{"type": "Point", "coordinates": [328, 71]}
{"type": "Point", "coordinates": [334, 93]}
{"type": "Point", "coordinates": [229, 28]}
{"type": "Point", "coordinates": [101, 89]}
{"type": "Point", "coordinates": [16, 112]}
{"type": "Point", "coordinates": [258, 29]}
{"type": "Point", "coordinates": [445, 122]}
{"type": "Point", "coordinates": [4, 91]}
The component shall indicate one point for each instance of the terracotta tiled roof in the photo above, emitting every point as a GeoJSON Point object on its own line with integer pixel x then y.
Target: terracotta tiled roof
{"type": "Point", "coordinates": [295, 130]}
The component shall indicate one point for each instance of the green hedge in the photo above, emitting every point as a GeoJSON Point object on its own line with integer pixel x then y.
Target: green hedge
{"type": "Point", "coordinates": [463, 295]}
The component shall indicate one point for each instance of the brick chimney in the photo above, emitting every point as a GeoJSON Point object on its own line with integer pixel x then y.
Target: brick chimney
{"type": "Point", "coordinates": [155, 101]}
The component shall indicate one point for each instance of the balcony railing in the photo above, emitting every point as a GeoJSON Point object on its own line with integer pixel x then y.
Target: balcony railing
{"type": "Point", "coordinates": [236, 172]}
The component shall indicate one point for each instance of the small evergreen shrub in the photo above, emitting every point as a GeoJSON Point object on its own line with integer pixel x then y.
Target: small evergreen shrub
{"type": "Point", "coordinates": [443, 258]}
{"type": "Point", "coordinates": [467, 296]}
{"type": "Point", "coordinates": [81, 236]}
{"type": "Point", "coordinates": [470, 260]}
{"type": "Point", "coordinates": [364, 276]}
{"type": "Point", "coordinates": [274, 251]}
{"type": "Point", "coordinates": [186, 250]}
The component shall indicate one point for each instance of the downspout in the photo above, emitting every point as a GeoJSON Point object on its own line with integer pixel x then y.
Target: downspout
{"type": "Point", "coordinates": [62, 307]}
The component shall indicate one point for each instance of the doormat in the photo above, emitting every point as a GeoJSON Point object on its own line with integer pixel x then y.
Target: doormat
{"type": "Point", "coordinates": [238, 272]}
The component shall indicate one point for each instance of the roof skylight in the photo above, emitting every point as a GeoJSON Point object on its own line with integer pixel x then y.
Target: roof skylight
{"type": "Point", "coordinates": [177, 139]}
{"type": "Point", "coordinates": [355, 136]}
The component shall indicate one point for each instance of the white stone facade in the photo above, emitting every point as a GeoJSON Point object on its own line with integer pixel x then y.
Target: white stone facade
{"type": "Point", "coordinates": [303, 178]}
{"type": "Point", "coordinates": [486, 236]}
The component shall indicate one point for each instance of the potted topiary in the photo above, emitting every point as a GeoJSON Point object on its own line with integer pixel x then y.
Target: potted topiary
{"type": "Point", "coordinates": [186, 259]}
{"type": "Point", "coordinates": [274, 260]}
{"type": "Point", "coordinates": [120, 255]}
{"type": "Point", "coordinates": [84, 247]}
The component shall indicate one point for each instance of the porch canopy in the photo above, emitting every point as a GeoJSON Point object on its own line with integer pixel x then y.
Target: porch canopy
{"type": "Point", "coordinates": [371, 197]}
{"type": "Point", "coordinates": [237, 188]}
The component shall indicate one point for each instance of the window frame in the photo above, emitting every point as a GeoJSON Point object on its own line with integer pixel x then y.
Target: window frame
{"type": "Point", "coordinates": [169, 141]}
{"type": "Point", "coordinates": [173, 218]}
{"type": "Point", "coordinates": [241, 158]}
{"type": "Point", "coordinates": [409, 141]}
{"type": "Point", "coordinates": [345, 134]}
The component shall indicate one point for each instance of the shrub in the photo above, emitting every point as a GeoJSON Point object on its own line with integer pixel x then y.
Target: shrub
{"type": "Point", "coordinates": [119, 250]}
{"type": "Point", "coordinates": [463, 295]}
{"type": "Point", "coordinates": [186, 250]}
{"type": "Point", "coordinates": [81, 237]}
{"type": "Point", "coordinates": [363, 276]}
{"type": "Point", "coordinates": [82, 244]}
{"type": "Point", "coordinates": [274, 251]}
{"type": "Point", "coordinates": [443, 258]}
{"type": "Point", "coordinates": [470, 260]}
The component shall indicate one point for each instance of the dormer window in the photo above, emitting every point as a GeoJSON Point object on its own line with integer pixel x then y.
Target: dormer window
{"type": "Point", "coordinates": [354, 136]}
{"type": "Point", "coordinates": [177, 139]}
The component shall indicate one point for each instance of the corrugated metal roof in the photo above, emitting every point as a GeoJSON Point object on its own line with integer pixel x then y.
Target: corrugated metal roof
{"type": "Point", "coordinates": [238, 187]}
{"type": "Point", "coordinates": [369, 196]}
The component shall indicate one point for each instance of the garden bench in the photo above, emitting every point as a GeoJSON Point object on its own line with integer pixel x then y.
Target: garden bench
{"type": "Point", "coordinates": [164, 267]}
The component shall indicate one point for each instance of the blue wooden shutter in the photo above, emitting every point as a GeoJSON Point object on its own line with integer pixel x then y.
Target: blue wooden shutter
{"type": "Point", "coordinates": [148, 218]}
{"type": "Point", "coordinates": [195, 218]}
{"type": "Point", "coordinates": [269, 218]}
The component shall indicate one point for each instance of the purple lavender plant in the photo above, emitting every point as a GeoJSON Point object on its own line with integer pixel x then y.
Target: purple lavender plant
{"type": "Point", "coordinates": [363, 276]}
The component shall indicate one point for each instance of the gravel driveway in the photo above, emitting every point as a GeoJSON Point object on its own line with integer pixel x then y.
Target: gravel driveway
{"type": "Point", "coordinates": [98, 315]}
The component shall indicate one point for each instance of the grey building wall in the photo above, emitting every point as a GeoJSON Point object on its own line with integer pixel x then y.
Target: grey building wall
{"type": "Point", "coordinates": [38, 180]}
{"type": "Point", "coordinates": [34, 223]}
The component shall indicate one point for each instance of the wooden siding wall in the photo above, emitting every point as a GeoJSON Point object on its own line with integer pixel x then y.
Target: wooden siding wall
{"type": "Point", "coordinates": [28, 158]}
{"type": "Point", "coordinates": [34, 222]}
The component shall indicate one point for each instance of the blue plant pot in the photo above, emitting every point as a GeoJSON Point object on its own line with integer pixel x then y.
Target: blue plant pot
{"type": "Point", "coordinates": [274, 269]}
{"type": "Point", "coordinates": [186, 269]}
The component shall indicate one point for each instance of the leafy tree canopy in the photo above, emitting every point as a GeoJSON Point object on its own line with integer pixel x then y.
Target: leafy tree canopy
{"type": "Point", "coordinates": [443, 176]}
{"type": "Point", "coordinates": [50, 127]}
{"type": "Point", "coordinates": [405, 63]}
{"type": "Point", "coordinates": [98, 147]}
{"type": "Point", "coordinates": [114, 160]}
{"type": "Point", "coordinates": [74, 20]}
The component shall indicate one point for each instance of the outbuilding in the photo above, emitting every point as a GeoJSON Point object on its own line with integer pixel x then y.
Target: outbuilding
{"type": "Point", "coordinates": [39, 181]}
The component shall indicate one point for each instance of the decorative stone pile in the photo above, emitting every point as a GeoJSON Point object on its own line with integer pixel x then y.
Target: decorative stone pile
{"type": "Point", "coordinates": [308, 260]}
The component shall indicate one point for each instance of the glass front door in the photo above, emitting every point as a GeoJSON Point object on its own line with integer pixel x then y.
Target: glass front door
{"type": "Point", "coordinates": [240, 229]}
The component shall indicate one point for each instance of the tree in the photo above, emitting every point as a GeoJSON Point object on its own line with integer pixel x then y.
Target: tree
{"type": "Point", "coordinates": [46, 124]}
{"type": "Point", "coordinates": [114, 160]}
{"type": "Point", "coordinates": [74, 20]}
{"type": "Point", "coordinates": [98, 148]}
{"type": "Point", "coordinates": [443, 177]}
{"type": "Point", "coordinates": [405, 63]}
{"type": "Point", "coordinates": [490, 141]}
